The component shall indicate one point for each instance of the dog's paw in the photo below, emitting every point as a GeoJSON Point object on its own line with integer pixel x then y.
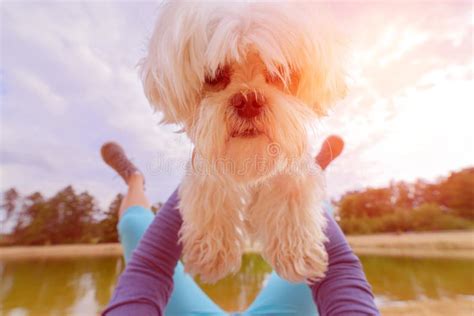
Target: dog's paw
{"type": "Point", "coordinates": [300, 261]}
{"type": "Point", "coordinates": [209, 257]}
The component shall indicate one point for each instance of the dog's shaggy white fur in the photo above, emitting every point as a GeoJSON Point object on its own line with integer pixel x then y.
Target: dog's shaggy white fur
{"type": "Point", "coordinates": [251, 172]}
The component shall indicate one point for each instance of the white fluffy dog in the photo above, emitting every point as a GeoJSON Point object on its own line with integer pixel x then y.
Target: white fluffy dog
{"type": "Point", "coordinates": [247, 82]}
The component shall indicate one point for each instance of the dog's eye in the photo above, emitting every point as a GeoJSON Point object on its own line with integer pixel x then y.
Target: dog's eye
{"type": "Point", "coordinates": [276, 79]}
{"type": "Point", "coordinates": [273, 78]}
{"type": "Point", "coordinates": [221, 78]}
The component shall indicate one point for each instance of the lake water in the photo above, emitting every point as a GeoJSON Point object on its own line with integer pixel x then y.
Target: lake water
{"type": "Point", "coordinates": [84, 286]}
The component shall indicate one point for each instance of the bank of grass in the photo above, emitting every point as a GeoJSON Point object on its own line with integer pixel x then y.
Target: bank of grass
{"type": "Point", "coordinates": [446, 244]}
{"type": "Point", "coordinates": [448, 306]}
{"type": "Point", "coordinates": [426, 218]}
{"type": "Point", "coordinates": [60, 251]}
{"type": "Point", "coordinates": [453, 244]}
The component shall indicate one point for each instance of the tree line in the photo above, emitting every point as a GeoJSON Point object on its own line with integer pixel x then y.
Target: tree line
{"type": "Point", "coordinates": [447, 204]}
{"type": "Point", "coordinates": [69, 217]}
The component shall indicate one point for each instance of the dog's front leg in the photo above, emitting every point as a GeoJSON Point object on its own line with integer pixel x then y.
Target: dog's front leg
{"type": "Point", "coordinates": [286, 216]}
{"type": "Point", "coordinates": [212, 227]}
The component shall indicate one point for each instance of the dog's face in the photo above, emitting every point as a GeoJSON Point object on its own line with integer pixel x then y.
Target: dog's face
{"type": "Point", "coordinates": [245, 80]}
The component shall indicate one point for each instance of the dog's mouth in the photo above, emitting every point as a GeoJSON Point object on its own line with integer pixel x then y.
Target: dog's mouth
{"type": "Point", "coordinates": [247, 133]}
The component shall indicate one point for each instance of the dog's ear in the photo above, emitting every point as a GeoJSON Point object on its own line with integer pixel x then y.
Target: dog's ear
{"type": "Point", "coordinates": [323, 78]}
{"type": "Point", "coordinates": [150, 86]}
{"type": "Point", "coordinates": [159, 95]}
{"type": "Point", "coordinates": [172, 71]}
{"type": "Point", "coordinates": [333, 62]}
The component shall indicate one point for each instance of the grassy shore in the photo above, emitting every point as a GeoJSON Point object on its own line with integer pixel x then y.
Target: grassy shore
{"type": "Point", "coordinates": [60, 251]}
{"type": "Point", "coordinates": [442, 244]}
{"type": "Point", "coordinates": [441, 307]}
{"type": "Point", "coordinates": [453, 244]}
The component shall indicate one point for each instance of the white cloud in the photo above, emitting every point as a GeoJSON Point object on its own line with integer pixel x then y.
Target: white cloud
{"type": "Point", "coordinates": [408, 113]}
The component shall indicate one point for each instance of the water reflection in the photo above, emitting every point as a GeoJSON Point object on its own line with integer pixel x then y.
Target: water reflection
{"type": "Point", "coordinates": [236, 292]}
{"type": "Point", "coordinates": [83, 286]}
{"type": "Point", "coordinates": [412, 278]}
{"type": "Point", "coordinates": [57, 287]}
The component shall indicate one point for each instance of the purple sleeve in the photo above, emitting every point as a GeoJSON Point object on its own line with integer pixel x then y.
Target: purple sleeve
{"type": "Point", "coordinates": [147, 282]}
{"type": "Point", "coordinates": [344, 290]}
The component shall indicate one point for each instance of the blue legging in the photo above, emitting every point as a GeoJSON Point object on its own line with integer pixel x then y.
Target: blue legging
{"type": "Point", "coordinates": [278, 297]}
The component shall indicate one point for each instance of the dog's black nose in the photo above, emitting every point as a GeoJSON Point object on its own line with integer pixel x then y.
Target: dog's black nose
{"type": "Point", "coordinates": [248, 105]}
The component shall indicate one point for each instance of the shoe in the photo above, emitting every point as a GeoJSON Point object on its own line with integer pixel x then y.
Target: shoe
{"type": "Point", "coordinates": [331, 149]}
{"type": "Point", "coordinates": [114, 155]}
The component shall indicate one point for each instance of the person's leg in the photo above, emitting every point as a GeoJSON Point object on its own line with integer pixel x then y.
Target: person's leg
{"type": "Point", "coordinates": [187, 297]}
{"type": "Point", "coordinates": [280, 297]}
{"type": "Point", "coordinates": [134, 213]}
{"type": "Point", "coordinates": [135, 216]}
{"type": "Point", "coordinates": [332, 147]}
{"type": "Point", "coordinates": [135, 194]}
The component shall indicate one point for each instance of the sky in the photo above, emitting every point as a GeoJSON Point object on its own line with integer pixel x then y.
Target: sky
{"type": "Point", "coordinates": [69, 82]}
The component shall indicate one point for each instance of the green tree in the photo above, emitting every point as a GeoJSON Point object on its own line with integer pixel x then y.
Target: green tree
{"type": "Point", "coordinates": [64, 218]}
{"type": "Point", "coordinates": [402, 195]}
{"type": "Point", "coordinates": [9, 204]}
{"type": "Point", "coordinates": [446, 204]}
{"type": "Point", "coordinates": [33, 218]}
{"type": "Point", "coordinates": [457, 193]}
{"type": "Point", "coordinates": [107, 227]}
{"type": "Point", "coordinates": [367, 203]}
{"type": "Point", "coordinates": [156, 207]}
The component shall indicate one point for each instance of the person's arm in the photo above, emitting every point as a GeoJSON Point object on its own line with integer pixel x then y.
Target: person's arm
{"type": "Point", "coordinates": [344, 290]}
{"type": "Point", "coordinates": [147, 282]}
